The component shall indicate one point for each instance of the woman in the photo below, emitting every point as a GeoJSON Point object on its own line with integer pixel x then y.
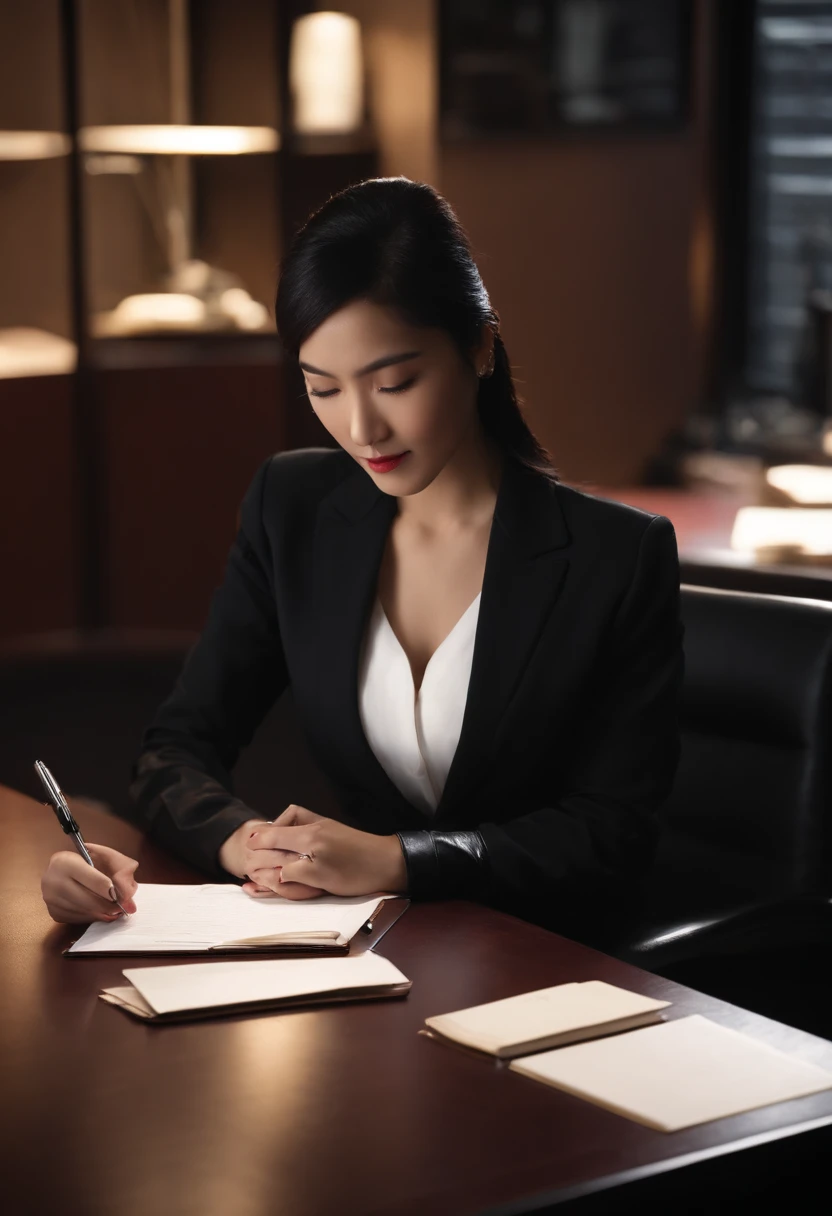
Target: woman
{"type": "Point", "coordinates": [486, 662]}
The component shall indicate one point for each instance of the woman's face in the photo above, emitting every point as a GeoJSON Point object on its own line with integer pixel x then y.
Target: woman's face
{"type": "Point", "coordinates": [382, 387]}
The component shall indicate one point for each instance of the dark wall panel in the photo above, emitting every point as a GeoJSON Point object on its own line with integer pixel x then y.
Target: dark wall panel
{"type": "Point", "coordinates": [38, 541]}
{"type": "Point", "coordinates": [180, 446]}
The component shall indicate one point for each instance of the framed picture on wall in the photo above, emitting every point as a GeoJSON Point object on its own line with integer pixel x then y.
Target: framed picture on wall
{"type": "Point", "coordinates": [541, 67]}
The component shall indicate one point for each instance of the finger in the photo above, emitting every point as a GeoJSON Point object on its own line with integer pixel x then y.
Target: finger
{"type": "Point", "coordinates": [125, 901]}
{"type": "Point", "coordinates": [270, 857]}
{"type": "Point", "coordinates": [65, 914]}
{"type": "Point", "coordinates": [120, 869]}
{"type": "Point", "coordinates": [110, 861]}
{"type": "Point", "coordinates": [267, 860]}
{"type": "Point", "coordinates": [78, 874]}
{"type": "Point", "coordinates": [87, 902]}
{"type": "Point", "coordinates": [125, 887]}
{"type": "Point", "coordinates": [286, 890]}
{"type": "Point", "coordinates": [295, 815]}
{"type": "Point", "coordinates": [256, 891]}
{"type": "Point", "coordinates": [292, 839]}
{"type": "Point", "coordinates": [301, 871]}
{"type": "Point", "coordinates": [256, 826]}
{"type": "Point", "coordinates": [265, 876]}
{"type": "Point", "coordinates": [71, 904]}
{"type": "Point", "coordinates": [268, 880]}
{"type": "Point", "coordinates": [299, 890]}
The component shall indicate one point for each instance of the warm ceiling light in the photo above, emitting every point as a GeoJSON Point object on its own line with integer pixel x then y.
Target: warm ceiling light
{"type": "Point", "coordinates": [803, 483]}
{"type": "Point", "coordinates": [806, 530]}
{"type": "Point", "coordinates": [33, 145]}
{"type": "Point", "coordinates": [326, 74]}
{"type": "Point", "coordinates": [172, 139]}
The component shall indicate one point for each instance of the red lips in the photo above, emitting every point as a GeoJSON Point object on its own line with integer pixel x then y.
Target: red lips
{"type": "Point", "coordinates": [386, 464]}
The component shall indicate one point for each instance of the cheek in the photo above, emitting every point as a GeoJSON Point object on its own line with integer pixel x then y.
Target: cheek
{"type": "Point", "coordinates": [439, 412]}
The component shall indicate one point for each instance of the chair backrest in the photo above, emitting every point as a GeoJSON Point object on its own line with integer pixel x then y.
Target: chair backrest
{"type": "Point", "coordinates": [751, 807]}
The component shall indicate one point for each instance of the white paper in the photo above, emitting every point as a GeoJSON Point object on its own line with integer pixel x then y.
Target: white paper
{"type": "Point", "coordinates": [198, 917]}
{"type": "Point", "coordinates": [543, 1013]}
{"type": "Point", "coordinates": [678, 1074]}
{"type": "Point", "coordinates": [207, 985]}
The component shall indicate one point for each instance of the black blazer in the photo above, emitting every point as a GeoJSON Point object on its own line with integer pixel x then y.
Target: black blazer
{"type": "Point", "coordinates": [569, 741]}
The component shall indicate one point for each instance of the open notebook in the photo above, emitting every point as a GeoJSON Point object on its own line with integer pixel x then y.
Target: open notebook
{"type": "Point", "coordinates": [172, 919]}
{"type": "Point", "coordinates": [547, 1017]}
{"type": "Point", "coordinates": [174, 993]}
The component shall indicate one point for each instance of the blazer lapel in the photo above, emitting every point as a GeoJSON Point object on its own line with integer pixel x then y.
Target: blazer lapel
{"type": "Point", "coordinates": [521, 583]}
{"type": "Point", "coordinates": [522, 579]}
{"type": "Point", "coordinates": [351, 530]}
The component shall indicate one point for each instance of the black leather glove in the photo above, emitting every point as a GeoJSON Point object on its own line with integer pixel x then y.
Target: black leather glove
{"type": "Point", "coordinates": [445, 865]}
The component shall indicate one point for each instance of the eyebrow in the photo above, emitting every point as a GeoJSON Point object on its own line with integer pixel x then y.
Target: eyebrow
{"type": "Point", "coordinates": [376, 365]}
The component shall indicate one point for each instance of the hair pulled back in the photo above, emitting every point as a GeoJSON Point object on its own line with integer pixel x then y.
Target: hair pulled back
{"type": "Point", "coordinates": [399, 244]}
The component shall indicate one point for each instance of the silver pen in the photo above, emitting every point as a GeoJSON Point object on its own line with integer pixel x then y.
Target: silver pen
{"type": "Point", "coordinates": [61, 808]}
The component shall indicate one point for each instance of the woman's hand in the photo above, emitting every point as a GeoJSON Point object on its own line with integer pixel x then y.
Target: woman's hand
{"type": "Point", "coordinates": [305, 850]}
{"type": "Point", "coordinates": [75, 893]}
{"type": "Point", "coordinates": [238, 858]}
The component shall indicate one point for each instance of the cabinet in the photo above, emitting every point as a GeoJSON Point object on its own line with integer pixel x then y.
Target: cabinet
{"type": "Point", "coordinates": [149, 249]}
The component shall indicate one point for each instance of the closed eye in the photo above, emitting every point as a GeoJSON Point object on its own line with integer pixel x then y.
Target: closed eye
{"type": "Point", "coordinates": [399, 388]}
{"type": "Point", "coordinates": [396, 388]}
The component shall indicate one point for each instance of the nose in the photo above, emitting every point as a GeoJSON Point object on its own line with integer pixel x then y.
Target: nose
{"type": "Point", "coordinates": [367, 427]}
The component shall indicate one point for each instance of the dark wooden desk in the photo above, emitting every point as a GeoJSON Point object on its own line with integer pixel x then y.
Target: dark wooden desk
{"type": "Point", "coordinates": [703, 524]}
{"type": "Point", "coordinates": [337, 1110]}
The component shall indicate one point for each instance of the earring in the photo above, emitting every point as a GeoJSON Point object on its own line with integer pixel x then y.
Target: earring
{"type": "Point", "coordinates": [489, 369]}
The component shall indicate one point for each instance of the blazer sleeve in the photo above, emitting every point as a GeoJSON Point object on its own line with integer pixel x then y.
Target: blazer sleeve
{"type": "Point", "coordinates": [602, 829]}
{"type": "Point", "coordinates": [181, 782]}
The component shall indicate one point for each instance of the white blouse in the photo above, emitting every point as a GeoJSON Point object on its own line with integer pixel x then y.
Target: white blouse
{"type": "Point", "coordinates": [414, 736]}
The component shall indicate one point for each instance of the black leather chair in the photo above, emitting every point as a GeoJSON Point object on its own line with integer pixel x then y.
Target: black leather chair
{"type": "Point", "coordinates": [739, 900]}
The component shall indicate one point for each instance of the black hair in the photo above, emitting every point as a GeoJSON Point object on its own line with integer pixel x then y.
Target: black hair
{"type": "Point", "coordinates": [399, 243]}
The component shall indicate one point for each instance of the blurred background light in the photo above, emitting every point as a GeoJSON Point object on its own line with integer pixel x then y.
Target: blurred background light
{"type": "Point", "coordinates": [326, 74]}
{"type": "Point", "coordinates": [804, 483]}
{"type": "Point", "coordinates": [33, 145]}
{"type": "Point", "coordinates": [173, 310]}
{"type": "Point", "coordinates": [112, 165]}
{"type": "Point", "coordinates": [27, 351]}
{"type": "Point", "coordinates": [178, 139]}
{"type": "Point", "coordinates": [800, 530]}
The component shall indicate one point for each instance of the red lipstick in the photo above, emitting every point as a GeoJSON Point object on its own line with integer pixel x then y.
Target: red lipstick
{"type": "Point", "coordinates": [386, 465]}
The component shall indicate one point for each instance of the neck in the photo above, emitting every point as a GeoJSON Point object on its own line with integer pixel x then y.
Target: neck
{"type": "Point", "coordinates": [462, 496]}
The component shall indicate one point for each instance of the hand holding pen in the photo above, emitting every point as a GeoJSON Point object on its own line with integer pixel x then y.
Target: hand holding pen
{"type": "Point", "coordinates": [93, 883]}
